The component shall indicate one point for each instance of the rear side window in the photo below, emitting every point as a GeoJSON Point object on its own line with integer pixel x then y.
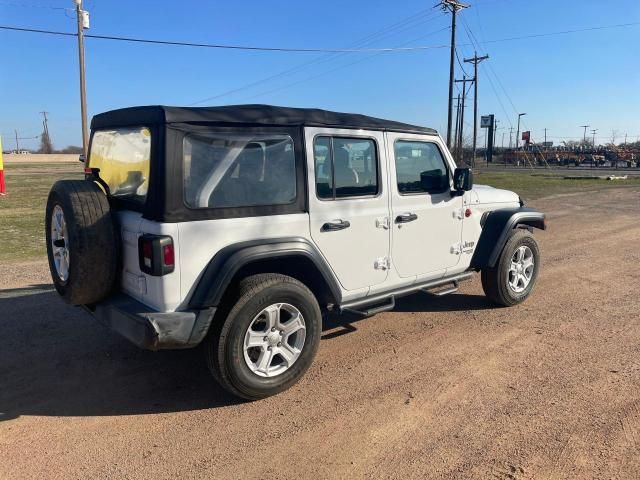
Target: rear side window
{"type": "Point", "coordinates": [345, 167]}
{"type": "Point", "coordinates": [420, 168]}
{"type": "Point", "coordinates": [225, 170]}
{"type": "Point", "coordinates": [123, 156]}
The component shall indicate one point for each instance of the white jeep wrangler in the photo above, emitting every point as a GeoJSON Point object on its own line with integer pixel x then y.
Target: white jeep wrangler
{"type": "Point", "coordinates": [238, 227]}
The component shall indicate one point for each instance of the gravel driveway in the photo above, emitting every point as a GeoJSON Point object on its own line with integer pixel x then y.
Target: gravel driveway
{"type": "Point", "coordinates": [439, 388]}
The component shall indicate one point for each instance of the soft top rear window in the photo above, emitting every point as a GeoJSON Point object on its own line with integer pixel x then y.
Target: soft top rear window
{"type": "Point", "coordinates": [123, 156]}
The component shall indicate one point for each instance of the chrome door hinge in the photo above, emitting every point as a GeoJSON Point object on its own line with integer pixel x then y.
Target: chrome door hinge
{"type": "Point", "coordinates": [382, 263]}
{"type": "Point", "coordinates": [383, 222]}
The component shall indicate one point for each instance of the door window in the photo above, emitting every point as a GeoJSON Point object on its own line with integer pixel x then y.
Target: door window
{"type": "Point", "coordinates": [420, 168]}
{"type": "Point", "coordinates": [345, 167]}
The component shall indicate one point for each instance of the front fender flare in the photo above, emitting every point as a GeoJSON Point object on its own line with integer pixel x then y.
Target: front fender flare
{"type": "Point", "coordinates": [497, 227]}
{"type": "Point", "coordinates": [220, 271]}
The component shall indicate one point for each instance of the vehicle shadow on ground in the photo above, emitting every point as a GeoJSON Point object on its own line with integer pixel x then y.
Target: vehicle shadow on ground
{"type": "Point", "coordinates": [56, 360]}
{"type": "Point", "coordinates": [337, 325]}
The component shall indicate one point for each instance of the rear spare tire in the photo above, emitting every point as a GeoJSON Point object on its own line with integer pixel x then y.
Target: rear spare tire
{"type": "Point", "coordinates": [82, 244]}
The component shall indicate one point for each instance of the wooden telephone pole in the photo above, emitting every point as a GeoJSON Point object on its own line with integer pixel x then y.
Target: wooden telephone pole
{"type": "Point", "coordinates": [459, 138]}
{"type": "Point", "coordinates": [475, 60]}
{"type": "Point", "coordinates": [453, 6]}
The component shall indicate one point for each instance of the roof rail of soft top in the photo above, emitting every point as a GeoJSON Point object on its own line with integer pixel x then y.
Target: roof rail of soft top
{"type": "Point", "coordinates": [267, 115]}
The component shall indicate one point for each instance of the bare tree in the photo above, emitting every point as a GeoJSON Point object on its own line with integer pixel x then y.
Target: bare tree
{"type": "Point", "coordinates": [45, 143]}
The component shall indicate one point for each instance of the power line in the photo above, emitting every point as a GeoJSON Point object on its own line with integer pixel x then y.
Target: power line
{"type": "Point", "coordinates": [326, 72]}
{"type": "Point", "coordinates": [308, 50]}
{"type": "Point", "coordinates": [393, 29]}
{"type": "Point", "coordinates": [228, 47]}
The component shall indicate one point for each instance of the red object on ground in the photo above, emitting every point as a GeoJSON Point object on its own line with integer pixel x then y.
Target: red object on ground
{"type": "Point", "coordinates": [2, 186]}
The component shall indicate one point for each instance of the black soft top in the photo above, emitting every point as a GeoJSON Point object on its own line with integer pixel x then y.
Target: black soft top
{"type": "Point", "coordinates": [247, 115]}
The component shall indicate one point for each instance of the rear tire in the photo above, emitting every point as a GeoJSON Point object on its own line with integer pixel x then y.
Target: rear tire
{"type": "Point", "coordinates": [82, 244]}
{"type": "Point", "coordinates": [505, 284]}
{"type": "Point", "coordinates": [235, 366]}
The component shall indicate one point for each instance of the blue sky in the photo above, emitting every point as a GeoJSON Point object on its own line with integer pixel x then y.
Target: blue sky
{"type": "Point", "coordinates": [561, 81]}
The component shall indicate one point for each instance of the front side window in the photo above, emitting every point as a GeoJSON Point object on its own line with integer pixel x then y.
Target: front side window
{"type": "Point", "coordinates": [345, 167]}
{"type": "Point", "coordinates": [420, 168]}
{"type": "Point", "coordinates": [224, 170]}
{"type": "Point", "coordinates": [123, 156]}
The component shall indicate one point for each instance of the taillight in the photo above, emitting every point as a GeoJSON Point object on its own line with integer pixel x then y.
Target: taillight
{"type": "Point", "coordinates": [156, 254]}
{"type": "Point", "coordinates": [168, 256]}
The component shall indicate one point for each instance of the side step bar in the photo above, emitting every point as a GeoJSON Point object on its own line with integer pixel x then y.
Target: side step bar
{"type": "Point", "coordinates": [372, 311]}
{"type": "Point", "coordinates": [359, 307]}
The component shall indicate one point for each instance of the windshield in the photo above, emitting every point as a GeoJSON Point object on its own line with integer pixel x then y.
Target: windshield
{"type": "Point", "coordinates": [123, 157]}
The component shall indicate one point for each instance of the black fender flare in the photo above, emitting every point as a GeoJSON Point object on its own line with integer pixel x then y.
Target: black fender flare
{"type": "Point", "coordinates": [220, 271]}
{"type": "Point", "coordinates": [496, 229]}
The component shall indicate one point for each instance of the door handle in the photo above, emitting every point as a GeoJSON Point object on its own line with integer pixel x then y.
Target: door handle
{"type": "Point", "coordinates": [335, 225]}
{"type": "Point", "coordinates": [406, 218]}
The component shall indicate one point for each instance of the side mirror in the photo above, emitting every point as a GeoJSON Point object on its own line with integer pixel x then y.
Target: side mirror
{"type": "Point", "coordinates": [462, 180]}
{"type": "Point", "coordinates": [82, 158]}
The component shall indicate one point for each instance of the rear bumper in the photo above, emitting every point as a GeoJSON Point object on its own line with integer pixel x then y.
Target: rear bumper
{"type": "Point", "coordinates": [149, 329]}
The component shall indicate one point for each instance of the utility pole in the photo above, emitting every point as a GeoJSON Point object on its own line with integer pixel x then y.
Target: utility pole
{"type": "Point", "coordinates": [594, 137]}
{"type": "Point", "coordinates": [83, 22]}
{"type": "Point", "coordinates": [45, 123]}
{"type": "Point", "coordinates": [17, 143]}
{"type": "Point", "coordinates": [545, 136]}
{"type": "Point", "coordinates": [510, 137]}
{"type": "Point", "coordinates": [455, 141]}
{"type": "Point", "coordinates": [625, 140]}
{"type": "Point", "coordinates": [503, 133]}
{"type": "Point", "coordinates": [475, 60]}
{"type": "Point", "coordinates": [584, 138]}
{"type": "Point", "coordinates": [46, 143]}
{"type": "Point", "coordinates": [452, 6]}
{"type": "Point", "coordinates": [518, 131]}
{"type": "Point", "coordinates": [460, 138]}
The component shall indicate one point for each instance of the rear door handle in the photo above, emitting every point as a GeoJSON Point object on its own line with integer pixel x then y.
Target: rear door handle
{"type": "Point", "coordinates": [406, 218]}
{"type": "Point", "coordinates": [335, 225]}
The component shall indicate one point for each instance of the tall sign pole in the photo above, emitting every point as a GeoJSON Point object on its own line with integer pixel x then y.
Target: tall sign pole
{"type": "Point", "coordinates": [475, 60]}
{"type": "Point", "coordinates": [83, 22]}
{"type": "Point", "coordinates": [520, 115]}
{"type": "Point", "coordinates": [453, 6]}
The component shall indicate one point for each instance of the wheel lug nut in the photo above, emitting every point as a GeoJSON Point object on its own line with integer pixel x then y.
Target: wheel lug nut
{"type": "Point", "coordinates": [279, 344]}
{"type": "Point", "coordinates": [273, 329]}
{"type": "Point", "coordinates": [268, 348]}
{"type": "Point", "coordinates": [264, 339]}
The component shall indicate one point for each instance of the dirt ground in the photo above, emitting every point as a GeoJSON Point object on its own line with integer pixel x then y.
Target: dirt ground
{"type": "Point", "coordinates": [439, 388]}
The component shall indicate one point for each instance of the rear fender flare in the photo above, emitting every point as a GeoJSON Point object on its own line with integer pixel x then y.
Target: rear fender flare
{"type": "Point", "coordinates": [222, 268]}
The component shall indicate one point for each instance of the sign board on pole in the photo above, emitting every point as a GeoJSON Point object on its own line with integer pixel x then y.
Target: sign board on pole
{"type": "Point", "coordinates": [526, 136]}
{"type": "Point", "coordinates": [485, 121]}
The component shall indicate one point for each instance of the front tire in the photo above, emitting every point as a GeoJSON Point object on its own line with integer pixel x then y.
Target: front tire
{"type": "Point", "coordinates": [513, 278]}
{"type": "Point", "coordinates": [266, 338]}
